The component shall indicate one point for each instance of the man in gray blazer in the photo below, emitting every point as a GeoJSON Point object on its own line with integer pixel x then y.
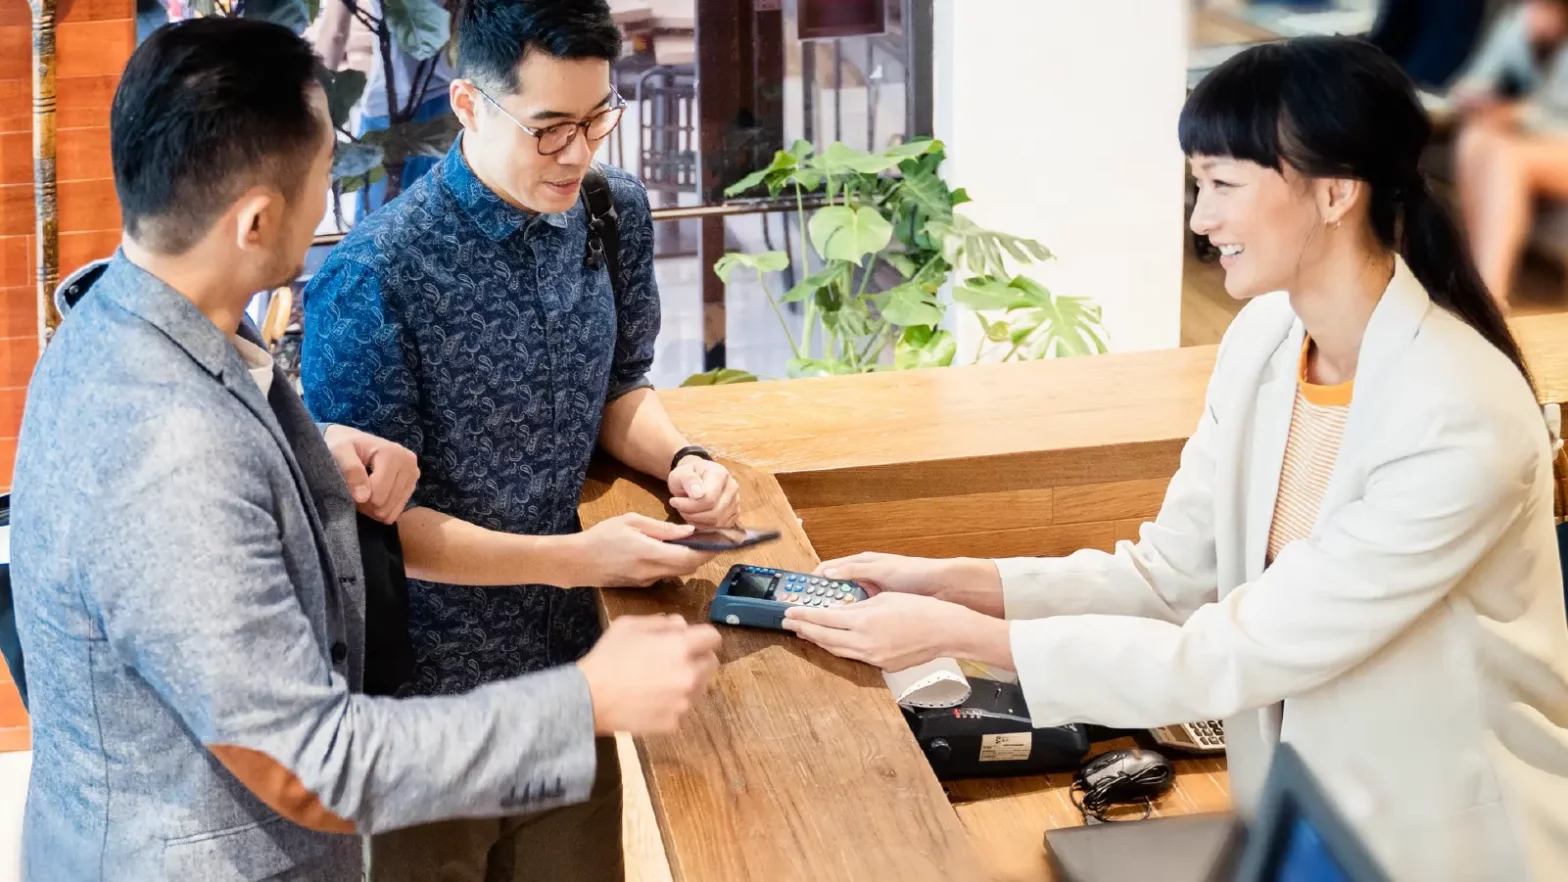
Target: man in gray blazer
{"type": "Point", "coordinates": [184, 551]}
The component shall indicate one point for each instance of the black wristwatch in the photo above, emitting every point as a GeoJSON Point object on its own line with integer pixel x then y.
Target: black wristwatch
{"type": "Point", "coordinates": [689, 450]}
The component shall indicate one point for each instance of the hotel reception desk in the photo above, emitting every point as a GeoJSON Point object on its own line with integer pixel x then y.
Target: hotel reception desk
{"type": "Point", "coordinates": [798, 765]}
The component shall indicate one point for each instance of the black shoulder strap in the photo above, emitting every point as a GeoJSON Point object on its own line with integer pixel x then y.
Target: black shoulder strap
{"type": "Point", "coordinates": [604, 236]}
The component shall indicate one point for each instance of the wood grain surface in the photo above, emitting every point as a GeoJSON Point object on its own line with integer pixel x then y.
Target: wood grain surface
{"type": "Point", "coordinates": [810, 752]}
{"type": "Point", "coordinates": [788, 767]}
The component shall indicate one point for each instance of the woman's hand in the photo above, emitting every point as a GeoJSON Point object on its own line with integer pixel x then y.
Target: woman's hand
{"type": "Point", "coordinates": [895, 631]}
{"type": "Point", "coordinates": [964, 581]}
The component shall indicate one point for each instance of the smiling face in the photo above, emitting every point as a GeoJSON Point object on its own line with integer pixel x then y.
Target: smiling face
{"type": "Point", "coordinates": [1266, 224]}
{"type": "Point", "coordinates": [550, 91]}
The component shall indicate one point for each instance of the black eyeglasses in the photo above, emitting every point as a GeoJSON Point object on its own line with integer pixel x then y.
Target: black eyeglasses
{"type": "Point", "coordinates": [553, 139]}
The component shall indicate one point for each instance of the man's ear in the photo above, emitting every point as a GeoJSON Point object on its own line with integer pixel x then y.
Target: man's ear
{"type": "Point", "coordinates": [258, 214]}
{"type": "Point", "coordinates": [465, 100]}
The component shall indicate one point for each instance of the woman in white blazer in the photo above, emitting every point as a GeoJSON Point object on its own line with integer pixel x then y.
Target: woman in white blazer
{"type": "Point", "coordinates": [1357, 553]}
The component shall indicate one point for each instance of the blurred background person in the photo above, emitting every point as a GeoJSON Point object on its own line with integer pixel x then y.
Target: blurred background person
{"type": "Point", "coordinates": [1513, 146]}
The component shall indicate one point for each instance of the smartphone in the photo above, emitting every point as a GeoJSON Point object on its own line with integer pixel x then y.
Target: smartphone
{"type": "Point", "coordinates": [732, 539]}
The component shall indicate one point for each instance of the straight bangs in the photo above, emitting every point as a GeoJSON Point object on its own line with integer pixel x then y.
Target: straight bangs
{"type": "Point", "coordinates": [1236, 112]}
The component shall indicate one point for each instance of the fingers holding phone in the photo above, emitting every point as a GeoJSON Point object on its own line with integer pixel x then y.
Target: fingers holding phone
{"type": "Point", "coordinates": [636, 551]}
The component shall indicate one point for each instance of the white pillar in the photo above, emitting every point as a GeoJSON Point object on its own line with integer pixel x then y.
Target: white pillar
{"type": "Point", "coordinates": [1060, 120]}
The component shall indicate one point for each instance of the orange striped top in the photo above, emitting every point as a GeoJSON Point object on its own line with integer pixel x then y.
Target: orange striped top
{"type": "Point", "coordinates": [1317, 424]}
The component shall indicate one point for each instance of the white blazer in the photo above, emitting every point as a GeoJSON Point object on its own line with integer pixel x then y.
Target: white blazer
{"type": "Point", "coordinates": [1414, 648]}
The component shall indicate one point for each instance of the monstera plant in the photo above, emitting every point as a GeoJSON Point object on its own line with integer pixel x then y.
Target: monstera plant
{"type": "Point", "coordinates": [422, 30]}
{"type": "Point", "coordinates": [888, 241]}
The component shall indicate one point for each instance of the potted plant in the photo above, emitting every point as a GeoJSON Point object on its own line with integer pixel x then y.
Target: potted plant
{"type": "Point", "coordinates": [420, 29]}
{"type": "Point", "coordinates": [888, 243]}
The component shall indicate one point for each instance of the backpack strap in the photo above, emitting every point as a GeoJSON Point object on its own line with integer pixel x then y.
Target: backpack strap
{"type": "Point", "coordinates": [604, 236]}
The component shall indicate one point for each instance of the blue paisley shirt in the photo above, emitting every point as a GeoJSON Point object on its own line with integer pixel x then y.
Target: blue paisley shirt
{"type": "Point", "coordinates": [472, 333]}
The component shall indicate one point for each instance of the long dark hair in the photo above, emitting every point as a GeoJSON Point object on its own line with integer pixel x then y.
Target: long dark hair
{"type": "Point", "coordinates": [1337, 107]}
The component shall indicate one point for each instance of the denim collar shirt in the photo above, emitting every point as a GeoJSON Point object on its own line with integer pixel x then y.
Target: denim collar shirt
{"type": "Point", "coordinates": [472, 332]}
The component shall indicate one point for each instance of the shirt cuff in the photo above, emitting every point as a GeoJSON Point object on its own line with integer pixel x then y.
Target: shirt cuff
{"type": "Point", "coordinates": [556, 709]}
{"type": "Point", "coordinates": [619, 390]}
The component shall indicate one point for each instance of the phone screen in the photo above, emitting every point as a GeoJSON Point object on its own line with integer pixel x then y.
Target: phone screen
{"type": "Point", "coordinates": [728, 539]}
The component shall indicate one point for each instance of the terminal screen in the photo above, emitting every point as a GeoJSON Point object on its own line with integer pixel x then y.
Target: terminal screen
{"type": "Point", "coordinates": [749, 584]}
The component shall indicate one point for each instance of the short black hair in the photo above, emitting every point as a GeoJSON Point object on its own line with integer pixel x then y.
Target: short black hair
{"type": "Point", "coordinates": [494, 35]}
{"type": "Point", "coordinates": [204, 109]}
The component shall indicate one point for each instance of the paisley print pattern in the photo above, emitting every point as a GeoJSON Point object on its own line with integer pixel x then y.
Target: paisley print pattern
{"type": "Point", "coordinates": [471, 332]}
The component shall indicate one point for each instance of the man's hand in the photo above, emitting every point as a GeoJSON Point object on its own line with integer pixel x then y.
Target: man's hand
{"type": "Point", "coordinates": [646, 671]}
{"type": "Point", "coordinates": [631, 551]}
{"type": "Point", "coordinates": [705, 493]}
{"type": "Point", "coordinates": [381, 474]}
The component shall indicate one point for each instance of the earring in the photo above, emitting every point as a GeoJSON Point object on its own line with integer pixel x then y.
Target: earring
{"type": "Point", "coordinates": [1334, 225]}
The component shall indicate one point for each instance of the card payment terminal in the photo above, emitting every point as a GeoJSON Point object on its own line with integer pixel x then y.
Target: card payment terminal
{"type": "Point", "coordinates": [756, 597]}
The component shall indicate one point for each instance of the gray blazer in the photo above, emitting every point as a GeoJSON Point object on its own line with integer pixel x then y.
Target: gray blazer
{"type": "Point", "coordinates": [190, 602]}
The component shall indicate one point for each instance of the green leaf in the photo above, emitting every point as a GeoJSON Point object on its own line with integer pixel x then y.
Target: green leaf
{"type": "Point", "coordinates": [840, 158]}
{"type": "Point", "coordinates": [996, 332]}
{"type": "Point", "coordinates": [852, 320]}
{"type": "Point", "coordinates": [766, 262]}
{"type": "Point", "coordinates": [960, 196]}
{"type": "Point", "coordinates": [354, 184]}
{"type": "Point", "coordinates": [914, 148]}
{"type": "Point", "coordinates": [923, 347]}
{"type": "Point", "coordinates": [775, 174]}
{"type": "Point", "coordinates": [928, 192]}
{"type": "Point", "coordinates": [419, 27]}
{"type": "Point", "coordinates": [816, 367]}
{"type": "Point", "coordinates": [747, 182]}
{"type": "Point", "coordinates": [343, 88]}
{"type": "Point", "coordinates": [350, 159]}
{"type": "Point", "coordinates": [1026, 323]}
{"type": "Point", "coordinates": [720, 377]}
{"type": "Point", "coordinates": [909, 304]}
{"type": "Point", "coordinates": [902, 263]}
{"type": "Point", "coordinates": [408, 139]}
{"type": "Point", "coordinates": [808, 180]}
{"type": "Point", "coordinates": [988, 294]}
{"type": "Point", "coordinates": [801, 149]}
{"type": "Point", "coordinates": [1033, 293]}
{"type": "Point", "coordinates": [292, 14]}
{"type": "Point", "coordinates": [816, 281]}
{"type": "Point", "coordinates": [843, 233]}
{"type": "Point", "coordinates": [980, 249]}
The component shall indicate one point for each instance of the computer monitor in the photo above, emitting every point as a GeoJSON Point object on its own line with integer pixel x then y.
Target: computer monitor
{"type": "Point", "coordinates": [1297, 836]}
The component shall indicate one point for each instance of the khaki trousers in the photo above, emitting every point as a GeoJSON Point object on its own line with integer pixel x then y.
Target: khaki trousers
{"type": "Point", "coordinates": [577, 843]}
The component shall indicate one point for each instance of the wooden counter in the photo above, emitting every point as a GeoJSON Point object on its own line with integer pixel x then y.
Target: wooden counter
{"type": "Point", "coordinates": [798, 765]}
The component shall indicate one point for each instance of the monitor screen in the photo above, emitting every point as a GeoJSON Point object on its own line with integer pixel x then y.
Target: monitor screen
{"type": "Point", "coordinates": [1305, 856]}
{"type": "Point", "coordinates": [749, 584]}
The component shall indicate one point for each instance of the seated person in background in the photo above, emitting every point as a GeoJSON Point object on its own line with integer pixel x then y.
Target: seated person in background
{"type": "Point", "coordinates": [462, 321]}
{"type": "Point", "coordinates": [1431, 39]}
{"type": "Point", "coordinates": [1356, 554]}
{"type": "Point", "coordinates": [185, 562]}
{"type": "Point", "coordinates": [1513, 148]}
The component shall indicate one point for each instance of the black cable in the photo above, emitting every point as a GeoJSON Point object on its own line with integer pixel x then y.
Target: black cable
{"type": "Point", "coordinates": [1113, 791]}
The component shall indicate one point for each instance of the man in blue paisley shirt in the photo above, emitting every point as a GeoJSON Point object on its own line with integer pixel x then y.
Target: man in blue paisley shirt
{"type": "Point", "coordinates": [461, 321]}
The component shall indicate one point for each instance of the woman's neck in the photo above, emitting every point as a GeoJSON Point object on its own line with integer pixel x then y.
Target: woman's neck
{"type": "Point", "coordinates": [1335, 303]}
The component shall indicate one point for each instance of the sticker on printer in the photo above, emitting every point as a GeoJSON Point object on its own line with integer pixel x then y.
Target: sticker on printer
{"type": "Point", "coordinates": [1011, 747]}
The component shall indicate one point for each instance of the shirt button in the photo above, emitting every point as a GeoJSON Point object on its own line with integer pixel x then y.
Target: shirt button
{"type": "Point", "coordinates": [339, 652]}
